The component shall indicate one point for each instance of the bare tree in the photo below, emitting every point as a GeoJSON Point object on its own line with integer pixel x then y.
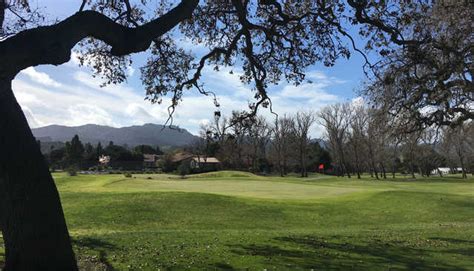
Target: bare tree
{"type": "Point", "coordinates": [336, 120]}
{"type": "Point", "coordinates": [302, 124]}
{"type": "Point", "coordinates": [282, 141]}
{"type": "Point", "coordinates": [376, 142]}
{"type": "Point", "coordinates": [239, 132]}
{"type": "Point", "coordinates": [357, 137]}
{"type": "Point", "coordinates": [410, 143]}
{"type": "Point", "coordinates": [427, 155]}
{"type": "Point", "coordinates": [394, 153]}
{"type": "Point", "coordinates": [258, 137]}
{"type": "Point", "coordinates": [458, 145]}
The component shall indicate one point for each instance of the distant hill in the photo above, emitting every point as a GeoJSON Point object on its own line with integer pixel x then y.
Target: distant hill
{"type": "Point", "coordinates": [149, 134]}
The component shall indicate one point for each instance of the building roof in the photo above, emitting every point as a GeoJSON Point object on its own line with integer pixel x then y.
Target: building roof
{"type": "Point", "coordinates": [180, 156]}
{"type": "Point", "coordinates": [207, 160]}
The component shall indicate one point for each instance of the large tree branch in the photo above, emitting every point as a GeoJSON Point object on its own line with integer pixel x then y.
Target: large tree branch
{"type": "Point", "coordinates": [395, 35]}
{"type": "Point", "coordinates": [2, 14]}
{"type": "Point", "coordinates": [53, 44]}
{"type": "Point", "coordinates": [83, 5]}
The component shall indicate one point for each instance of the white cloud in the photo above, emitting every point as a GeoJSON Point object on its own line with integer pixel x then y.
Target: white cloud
{"type": "Point", "coordinates": [320, 76]}
{"type": "Point", "coordinates": [40, 77]}
{"type": "Point", "coordinates": [32, 121]}
{"type": "Point", "coordinates": [188, 45]}
{"type": "Point", "coordinates": [358, 102]}
{"type": "Point", "coordinates": [81, 100]}
{"type": "Point", "coordinates": [139, 115]}
{"type": "Point", "coordinates": [314, 92]}
{"type": "Point", "coordinates": [74, 62]}
{"type": "Point", "coordinates": [81, 114]}
{"type": "Point", "coordinates": [130, 71]}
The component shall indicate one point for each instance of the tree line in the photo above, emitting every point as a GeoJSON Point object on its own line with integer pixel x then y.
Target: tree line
{"type": "Point", "coordinates": [365, 139]}
{"type": "Point", "coordinates": [77, 155]}
{"type": "Point", "coordinates": [257, 145]}
{"type": "Point", "coordinates": [358, 139]}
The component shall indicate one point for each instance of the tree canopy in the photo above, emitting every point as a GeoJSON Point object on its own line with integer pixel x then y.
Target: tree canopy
{"type": "Point", "coordinates": [429, 81]}
{"type": "Point", "coordinates": [269, 40]}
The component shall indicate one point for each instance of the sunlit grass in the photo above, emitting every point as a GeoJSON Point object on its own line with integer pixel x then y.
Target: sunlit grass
{"type": "Point", "coordinates": [234, 220]}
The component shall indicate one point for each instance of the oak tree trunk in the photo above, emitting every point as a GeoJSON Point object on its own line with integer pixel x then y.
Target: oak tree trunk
{"type": "Point", "coordinates": [32, 220]}
{"type": "Point", "coordinates": [461, 160]}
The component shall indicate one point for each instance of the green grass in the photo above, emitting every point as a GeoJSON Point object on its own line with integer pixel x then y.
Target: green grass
{"type": "Point", "coordinates": [233, 220]}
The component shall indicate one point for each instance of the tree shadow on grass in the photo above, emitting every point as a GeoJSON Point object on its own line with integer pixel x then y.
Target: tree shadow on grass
{"type": "Point", "coordinates": [454, 240]}
{"type": "Point", "coordinates": [313, 252]}
{"type": "Point", "coordinates": [93, 243]}
{"type": "Point", "coordinates": [99, 263]}
{"type": "Point", "coordinates": [223, 266]}
{"type": "Point", "coordinates": [467, 251]}
{"type": "Point", "coordinates": [431, 179]}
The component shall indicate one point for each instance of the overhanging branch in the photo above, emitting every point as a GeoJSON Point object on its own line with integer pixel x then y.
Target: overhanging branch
{"type": "Point", "coordinates": [53, 44]}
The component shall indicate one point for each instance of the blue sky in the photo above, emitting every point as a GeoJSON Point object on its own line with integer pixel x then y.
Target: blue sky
{"type": "Point", "coordinates": [69, 95]}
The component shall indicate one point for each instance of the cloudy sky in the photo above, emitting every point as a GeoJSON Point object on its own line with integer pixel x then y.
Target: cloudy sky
{"type": "Point", "coordinates": [69, 95]}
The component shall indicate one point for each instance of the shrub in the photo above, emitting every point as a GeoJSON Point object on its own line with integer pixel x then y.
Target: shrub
{"type": "Point", "coordinates": [166, 164]}
{"type": "Point", "coordinates": [71, 171]}
{"type": "Point", "coordinates": [128, 175]}
{"type": "Point", "coordinates": [184, 169]}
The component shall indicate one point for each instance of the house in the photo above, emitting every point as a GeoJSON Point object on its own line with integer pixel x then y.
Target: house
{"type": "Point", "coordinates": [205, 163]}
{"type": "Point", "coordinates": [150, 160]}
{"type": "Point", "coordinates": [196, 162]}
{"type": "Point", "coordinates": [104, 160]}
{"type": "Point", "coordinates": [176, 160]}
{"type": "Point", "coordinates": [446, 170]}
{"type": "Point", "coordinates": [179, 157]}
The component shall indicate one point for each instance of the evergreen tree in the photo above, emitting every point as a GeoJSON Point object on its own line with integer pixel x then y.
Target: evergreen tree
{"type": "Point", "coordinates": [90, 155]}
{"type": "Point", "coordinates": [74, 151]}
{"type": "Point", "coordinates": [144, 149]}
{"type": "Point", "coordinates": [99, 149]}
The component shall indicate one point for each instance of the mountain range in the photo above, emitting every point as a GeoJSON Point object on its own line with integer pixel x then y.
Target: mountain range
{"type": "Point", "coordinates": [148, 134]}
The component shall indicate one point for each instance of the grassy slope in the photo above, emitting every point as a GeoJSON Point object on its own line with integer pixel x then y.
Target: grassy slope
{"type": "Point", "coordinates": [231, 220]}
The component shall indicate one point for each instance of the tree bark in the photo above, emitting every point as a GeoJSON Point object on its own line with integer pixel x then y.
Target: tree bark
{"type": "Point", "coordinates": [347, 171]}
{"type": "Point", "coordinates": [303, 160]}
{"type": "Point", "coordinates": [463, 168]}
{"type": "Point", "coordinates": [357, 163]}
{"type": "Point", "coordinates": [383, 171]}
{"type": "Point", "coordinates": [2, 13]}
{"type": "Point", "coordinates": [459, 152]}
{"type": "Point", "coordinates": [33, 225]}
{"type": "Point", "coordinates": [376, 174]}
{"type": "Point", "coordinates": [375, 170]}
{"type": "Point", "coordinates": [32, 220]}
{"type": "Point", "coordinates": [393, 170]}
